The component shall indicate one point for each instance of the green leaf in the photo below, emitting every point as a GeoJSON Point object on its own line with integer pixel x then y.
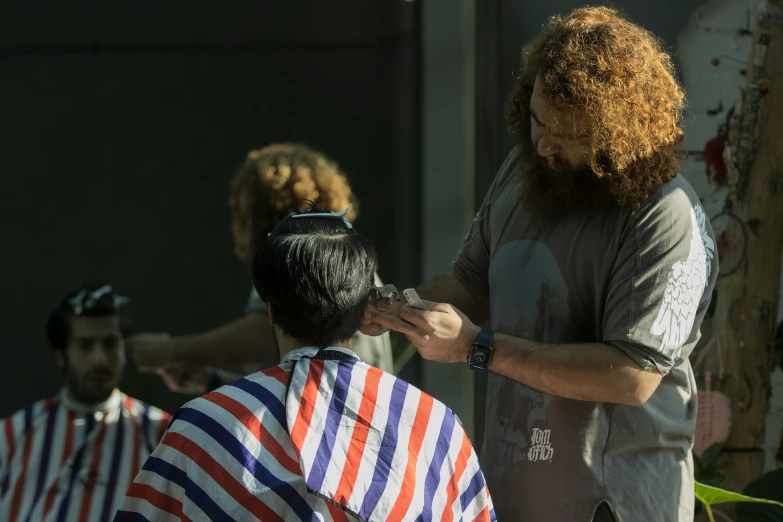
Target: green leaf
{"type": "Point", "coordinates": [709, 496]}
{"type": "Point", "coordinates": [710, 455]}
{"type": "Point", "coordinates": [711, 478]}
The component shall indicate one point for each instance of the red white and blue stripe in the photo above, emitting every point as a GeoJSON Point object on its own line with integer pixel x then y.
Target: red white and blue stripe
{"type": "Point", "coordinates": [343, 441]}
{"type": "Point", "coordinates": [62, 462]}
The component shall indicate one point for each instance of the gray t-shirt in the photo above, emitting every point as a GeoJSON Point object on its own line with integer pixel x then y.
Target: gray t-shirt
{"type": "Point", "coordinates": [641, 282]}
{"type": "Point", "coordinates": [375, 351]}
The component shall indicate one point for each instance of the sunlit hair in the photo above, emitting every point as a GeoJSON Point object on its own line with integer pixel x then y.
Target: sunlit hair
{"type": "Point", "coordinates": [619, 75]}
{"type": "Point", "coordinates": [275, 179]}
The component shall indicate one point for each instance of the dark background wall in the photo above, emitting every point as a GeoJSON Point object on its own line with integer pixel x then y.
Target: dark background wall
{"type": "Point", "coordinates": [121, 127]}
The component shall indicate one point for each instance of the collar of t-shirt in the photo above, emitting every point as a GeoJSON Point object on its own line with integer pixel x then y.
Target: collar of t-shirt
{"type": "Point", "coordinates": [310, 351]}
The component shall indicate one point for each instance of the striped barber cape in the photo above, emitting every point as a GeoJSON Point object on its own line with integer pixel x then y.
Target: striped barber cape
{"type": "Point", "coordinates": [65, 462]}
{"type": "Point", "coordinates": [321, 437]}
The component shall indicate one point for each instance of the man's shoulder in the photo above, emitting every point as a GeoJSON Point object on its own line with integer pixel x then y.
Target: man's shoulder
{"type": "Point", "coordinates": [672, 210]}
{"type": "Point", "coordinates": [32, 410]}
{"type": "Point", "coordinates": [675, 196]}
{"type": "Point", "coordinates": [17, 424]}
{"type": "Point", "coordinates": [245, 401]}
{"type": "Point", "coordinates": [673, 221]}
{"type": "Point", "coordinates": [390, 421]}
{"type": "Point", "coordinates": [510, 169]}
{"type": "Point", "coordinates": [274, 380]}
{"type": "Point", "coordinates": [392, 394]}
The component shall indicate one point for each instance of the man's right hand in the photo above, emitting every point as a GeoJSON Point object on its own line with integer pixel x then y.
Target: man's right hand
{"type": "Point", "coordinates": [151, 351]}
{"type": "Point", "coordinates": [372, 328]}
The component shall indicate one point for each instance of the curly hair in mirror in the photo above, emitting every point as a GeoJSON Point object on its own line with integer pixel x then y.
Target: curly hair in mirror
{"type": "Point", "coordinates": [271, 183]}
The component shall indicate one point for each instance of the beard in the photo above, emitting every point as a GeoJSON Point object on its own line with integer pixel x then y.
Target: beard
{"type": "Point", "coordinates": [552, 189]}
{"type": "Point", "coordinates": [93, 387]}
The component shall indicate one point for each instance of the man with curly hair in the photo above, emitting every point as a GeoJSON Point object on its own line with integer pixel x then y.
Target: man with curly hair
{"type": "Point", "coordinates": [592, 264]}
{"type": "Point", "coordinates": [273, 181]}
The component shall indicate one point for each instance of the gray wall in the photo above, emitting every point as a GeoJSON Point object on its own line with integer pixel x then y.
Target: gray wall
{"type": "Point", "coordinates": [448, 136]}
{"type": "Point", "coordinates": [122, 124]}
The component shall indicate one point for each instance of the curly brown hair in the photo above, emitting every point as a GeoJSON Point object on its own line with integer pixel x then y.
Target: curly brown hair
{"type": "Point", "coordinates": [280, 178]}
{"type": "Point", "coordinates": [620, 76]}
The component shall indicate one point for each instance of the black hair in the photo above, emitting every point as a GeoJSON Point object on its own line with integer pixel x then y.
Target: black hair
{"type": "Point", "coordinates": [89, 300]}
{"type": "Point", "coordinates": [316, 273]}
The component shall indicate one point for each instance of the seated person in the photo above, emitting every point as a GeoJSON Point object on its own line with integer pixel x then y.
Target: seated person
{"type": "Point", "coordinates": [322, 436]}
{"type": "Point", "coordinates": [73, 456]}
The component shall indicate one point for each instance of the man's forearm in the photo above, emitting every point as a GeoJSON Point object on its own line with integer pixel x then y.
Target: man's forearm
{"type": "Point", "coordinates": [246, 340]}
{"type": "Point", "coordinates": [595, 372]}
{"type": "Point", "coordinates": [449, 288]}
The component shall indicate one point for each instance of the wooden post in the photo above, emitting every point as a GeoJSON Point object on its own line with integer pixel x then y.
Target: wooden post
{"type": "Point", "coordinates": [746, 356]}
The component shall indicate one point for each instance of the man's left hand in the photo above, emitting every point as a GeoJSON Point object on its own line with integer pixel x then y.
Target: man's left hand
{"type": "Point", "coordinates": [441, 333]}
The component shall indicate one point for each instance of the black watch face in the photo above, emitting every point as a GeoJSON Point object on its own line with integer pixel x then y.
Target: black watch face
{"type": "Point", "coordinates": [479, 356]}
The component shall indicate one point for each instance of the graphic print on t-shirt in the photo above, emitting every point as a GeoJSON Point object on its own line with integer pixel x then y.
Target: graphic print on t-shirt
{"type": "Point", "coordinates": [532, 306]}
{"type": "Point", "coordinates": [685, 288]}
{"type": "Point", "coordinates": [518, 410]}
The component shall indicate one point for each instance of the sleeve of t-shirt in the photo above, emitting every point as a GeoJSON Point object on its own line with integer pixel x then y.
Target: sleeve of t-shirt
{"type": "Point", "coordinates": [661, 281]}
{"type": "Point", "coordinates": [254, 303]}
{"type": "Point", "coordinates": [472, 262]}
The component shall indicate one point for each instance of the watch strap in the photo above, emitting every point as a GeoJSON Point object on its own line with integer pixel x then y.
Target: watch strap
{"type": "Point", "coordinates": [485, 338]}
{"type": "Point", "coordinates": [482, 343]}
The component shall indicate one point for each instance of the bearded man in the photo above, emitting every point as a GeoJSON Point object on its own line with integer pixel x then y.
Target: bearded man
{"type": "Point", "coordinates": [592, 264]}
{"type": "Point", "coordinates": [72, 456]}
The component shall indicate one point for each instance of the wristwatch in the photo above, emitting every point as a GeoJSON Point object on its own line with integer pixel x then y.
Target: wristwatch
{"type": "Point", "coordinates": [481, 352]}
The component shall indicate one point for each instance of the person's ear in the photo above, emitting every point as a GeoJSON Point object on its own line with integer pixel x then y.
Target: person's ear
{"type": "Point", "coordinates": [271, 316]}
